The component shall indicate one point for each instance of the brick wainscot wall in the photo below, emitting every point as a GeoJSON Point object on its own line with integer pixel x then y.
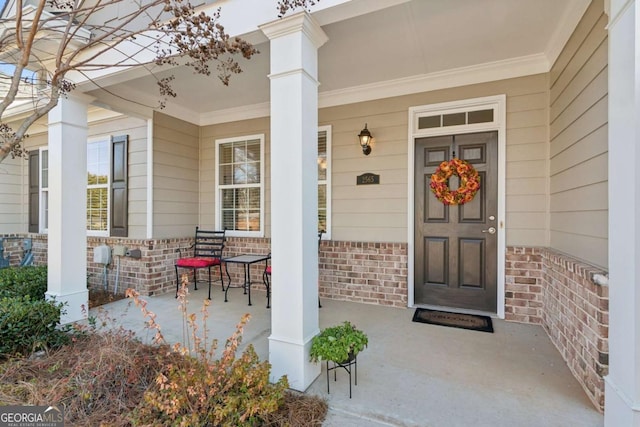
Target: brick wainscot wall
{"type": "Point", "coordinates": [542, 287]}
{"type": "Point", "coordinates": [374, 273]}
{"type": "Point", "coordinates": [562, 294]}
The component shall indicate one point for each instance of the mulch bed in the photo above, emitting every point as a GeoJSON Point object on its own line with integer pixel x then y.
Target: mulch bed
{"type": "Point", "coordinates": [100, 378]}
{"type": "Point", "coordinates": [98, 297]}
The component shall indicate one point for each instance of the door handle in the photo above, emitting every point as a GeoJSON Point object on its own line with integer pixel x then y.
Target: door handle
{"type": "Point", "coordinates": [490, 230]}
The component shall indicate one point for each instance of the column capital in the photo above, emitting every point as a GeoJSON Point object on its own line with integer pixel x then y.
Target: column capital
{"type": "Point", "coordinates": [72, 109]}
{"type": "Point", "coordinates": [299, 22]}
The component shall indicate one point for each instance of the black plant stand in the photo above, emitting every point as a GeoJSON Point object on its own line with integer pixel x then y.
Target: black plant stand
{"type": "Point", "coordinates": [350, 364]}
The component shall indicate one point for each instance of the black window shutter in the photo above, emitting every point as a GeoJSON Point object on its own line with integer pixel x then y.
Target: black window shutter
{"type": "Point", "coordinates": [34, 191]}
{"type": "Point", "coordinates": [119, 209]}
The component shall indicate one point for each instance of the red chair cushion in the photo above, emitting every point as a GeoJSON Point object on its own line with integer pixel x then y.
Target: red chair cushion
{"type": "Point", "coordinates": [268, 270]}
{"type": "Point", "coordinates": [197, 262]}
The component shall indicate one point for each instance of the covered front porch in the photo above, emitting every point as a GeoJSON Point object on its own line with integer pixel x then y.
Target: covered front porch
{"type": "Point", "coordinates": [566, 193]}
{"type": "Point", "coordinates": [412, 374]}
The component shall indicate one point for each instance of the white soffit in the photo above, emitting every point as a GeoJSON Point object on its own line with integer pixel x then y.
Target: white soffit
{"type": "Point", "coordinates": [385, 48]}
{"type": "Point", "coordinates": [436, 45]}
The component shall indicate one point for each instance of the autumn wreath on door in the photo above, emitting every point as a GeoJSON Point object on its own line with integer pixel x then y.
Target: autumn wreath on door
{"type": "Point", "coordinates": [469, 182]}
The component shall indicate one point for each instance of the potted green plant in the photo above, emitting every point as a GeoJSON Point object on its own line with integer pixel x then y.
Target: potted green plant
{"type": "Point", "coordinates": [338, 344]}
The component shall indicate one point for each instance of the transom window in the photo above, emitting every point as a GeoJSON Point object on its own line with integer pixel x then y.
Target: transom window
{"type": "Point", "coordinates": [456, 119]}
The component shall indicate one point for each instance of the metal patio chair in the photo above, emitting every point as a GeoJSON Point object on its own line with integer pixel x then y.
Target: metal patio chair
{"type": "Point", "coordinates": [207, 253]}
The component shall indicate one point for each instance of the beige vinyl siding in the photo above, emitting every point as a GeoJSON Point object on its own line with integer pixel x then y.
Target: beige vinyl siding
{"type": "Point", "coordinates": [12, 209]}
{"type": "Point", "coordinates": [14, 187]}
{"type": "Point", "coordinates": [208, 136]}
{"type": "Point", "coordinates": [579, 143]}
{"type": "Point", "coordinates": [527, 169]}
{"type": "Point", "coordinates": [101, 123]}
{"type": "Point", "coordinates": [136, 129]}
{"type": "Point", "coordinates": [175, 177]}
{"type": "Point", "coordinates": [369, 212]}
{"type": "Point", "coordinates": [379, 212]}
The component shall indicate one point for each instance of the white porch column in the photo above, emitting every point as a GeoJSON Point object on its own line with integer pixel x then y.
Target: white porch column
{"type": "Point", "coordinates": [622, 385]}
{"type": "Point", "coordinates": [294, 196]}
{"type": "Point", "coordinates": [67, 245]}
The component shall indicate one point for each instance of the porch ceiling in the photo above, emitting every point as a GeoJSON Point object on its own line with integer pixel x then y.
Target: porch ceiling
{"type": "Point", "coordinates": [415, 42]}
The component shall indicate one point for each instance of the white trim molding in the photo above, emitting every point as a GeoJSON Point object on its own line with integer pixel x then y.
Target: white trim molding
{"type": "Point", "coordinates": [498, 105]}
{"type": "Point", "coordinates": [572, 16]}
{"type": "Point", "coordinates": [483, 73]}
{"type": "Point", "coordinates": [150, 172]}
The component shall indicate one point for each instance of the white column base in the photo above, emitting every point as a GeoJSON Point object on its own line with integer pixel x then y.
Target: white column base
{"type": "Point", "coordinates": [294, 362]}
{"type": "Point", "coordinates": [76, 305]}
{"type": "Point", "coordinates": [618, 409]}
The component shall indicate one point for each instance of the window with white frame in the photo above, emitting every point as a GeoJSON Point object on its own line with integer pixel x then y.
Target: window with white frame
{"type": "Point", "coordinates": [98, 186]}
{"type": "Point", "coordinates": [324, 180]}
{"type": "Point", "coordinates": [239, 192]}
{"type": "Point", "coordinates": [44, 190]}
{"type": "Point", "coordinates": [98, 181]}
{"type": "Point", "coordinates": [240, 187]}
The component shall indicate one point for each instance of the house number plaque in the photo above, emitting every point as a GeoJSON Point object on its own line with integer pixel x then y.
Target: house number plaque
{"type": "Point", "coordinates": [367, 179]}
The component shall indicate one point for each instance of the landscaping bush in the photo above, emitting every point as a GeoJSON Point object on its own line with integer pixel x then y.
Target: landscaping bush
{"type": "Point", "coordinates": [204, 389]}
{"type": "Point", "coordinates": [108, 377]}
{"type": "Point", "coordinates": [194, 392]}
{"type": "Point", "coordinates": [23, 281]}
{"type": "Point", "coordinates": [27, 325]}
{"type": "Point", "coordinates": [101, 377]}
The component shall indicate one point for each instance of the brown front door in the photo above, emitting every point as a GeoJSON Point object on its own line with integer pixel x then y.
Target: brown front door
{"type": "Point", "coordinates": [456, 246]}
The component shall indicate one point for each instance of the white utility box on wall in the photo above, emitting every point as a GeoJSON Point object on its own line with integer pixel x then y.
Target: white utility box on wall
{"type": "Point", "coordinates": [102, 254]}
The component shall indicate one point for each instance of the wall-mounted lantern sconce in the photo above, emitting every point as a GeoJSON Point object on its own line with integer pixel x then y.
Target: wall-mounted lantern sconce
{"type": "Point", "coordinates": [365, 140]}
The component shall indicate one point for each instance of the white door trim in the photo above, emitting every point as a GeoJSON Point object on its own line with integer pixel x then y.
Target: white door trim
{"type": "Point", "coordinates": [498, 104]}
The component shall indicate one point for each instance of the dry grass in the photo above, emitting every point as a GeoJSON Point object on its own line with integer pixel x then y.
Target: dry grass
{"type": "Point", "coordinates": [101, 378]}
{"type": "Point", "coordinates": [98, 379]}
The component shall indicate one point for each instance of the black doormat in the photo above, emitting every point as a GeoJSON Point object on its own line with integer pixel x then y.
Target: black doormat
{"type": "Point", "coordinates": [455, 320]}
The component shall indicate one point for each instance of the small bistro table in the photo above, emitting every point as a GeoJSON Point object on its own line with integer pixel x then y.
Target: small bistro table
{"type": "Point", "coordinates": [246, 260]}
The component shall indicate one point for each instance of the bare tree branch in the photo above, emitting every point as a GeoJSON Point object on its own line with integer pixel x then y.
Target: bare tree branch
{"type": "Point", "coordinates": [57, 37]}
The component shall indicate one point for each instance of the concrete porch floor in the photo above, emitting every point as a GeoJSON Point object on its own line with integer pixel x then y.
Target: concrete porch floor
{"type": "Point", "coordinates": [412, 374]}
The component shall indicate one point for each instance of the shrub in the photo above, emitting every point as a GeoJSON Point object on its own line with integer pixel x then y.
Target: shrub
{"type": "Point", "coordinates": [103, 375]}
{"type": "Point", "coordinates": [28, 325]}
{"type": "Point", "coordinates": [338, 343]}
{"type": "Point", "coordinates": [23, 281]}
{"type": "Point", "coordinates": [201, 389]}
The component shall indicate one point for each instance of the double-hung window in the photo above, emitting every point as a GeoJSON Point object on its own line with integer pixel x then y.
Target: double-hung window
{"type": "Point", "coordinates": [106, 187]}
{"type": "Point", "coordinates": [44, 190]}
{"type": "Point", "coordinates": [240, 185]}
{"type": "Point", "coordinates": [324, 180]}
{"type": "Point", "coordinates": [98, 161]}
